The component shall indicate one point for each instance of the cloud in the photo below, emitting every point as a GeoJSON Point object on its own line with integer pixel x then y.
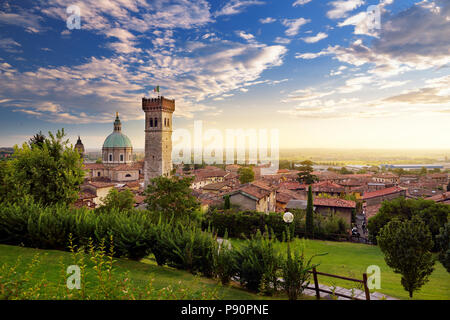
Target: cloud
{"type": "Point", "coordinates": [316, 38]}
{"type": "Point", "coordinates": [341, 8]}
{"type": "Point", "coordinates": [267, 20]}
{"type": "Point", "coordinates": [294, 25]}
{"type": "Point", "coordinates": [281, 40]}
{"type": "Point", "coordinates": [399, 47]}
{"type": "Point", "coordinates": [300, 2]}
{"type": "Point", "coordinates": [30, 21]}
{"type": "Point", "coordinates": [9, 45]}
{"type": "Point", "coordinates": [306, 94]}
{"type": "Point", "coordinates": [245, 36]}
{"type": "Point", "coordinates": [236, 6]}
{"type": "Point", "coordinates": [437, 91]}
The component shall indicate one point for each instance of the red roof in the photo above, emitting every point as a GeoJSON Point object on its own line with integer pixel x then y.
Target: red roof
{"type": "Point", "coordinates": [334, 202]}
{"type": "Point", "coordinates": [382, 192]}
{"type": "Point", "coordinates": [326, 186]}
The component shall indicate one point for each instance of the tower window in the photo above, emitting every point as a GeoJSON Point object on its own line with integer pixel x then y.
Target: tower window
{"type": "Point", "coordinates": [128, 175]}
{"type": "Point", "coordinates": [98, 174]}
{"type": "Point", "coordinates": [121, 157]}
{"type": "Point", "coordinates": [151, 122]}
{"type": "Point", "coordinates": [156, 122]}
{"type": "Point", "coordinates": [110, 157]}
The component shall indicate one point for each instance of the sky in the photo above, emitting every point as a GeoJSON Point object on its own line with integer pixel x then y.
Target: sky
{"type": "Point", "coordinates": [325, 74]}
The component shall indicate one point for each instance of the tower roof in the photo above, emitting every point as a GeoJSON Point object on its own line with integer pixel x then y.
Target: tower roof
{"type": "Point", "coordinates": [117, 139]}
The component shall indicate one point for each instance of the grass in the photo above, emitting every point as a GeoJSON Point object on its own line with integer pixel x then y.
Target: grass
{"type": "Point", "coordinates": [352, 260]}
{"type": "Point", "coordinates": [139, 272]}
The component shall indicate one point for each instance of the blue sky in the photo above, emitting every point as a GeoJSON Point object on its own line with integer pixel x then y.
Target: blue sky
{"type": "Point", "coordinates": [317, 71]}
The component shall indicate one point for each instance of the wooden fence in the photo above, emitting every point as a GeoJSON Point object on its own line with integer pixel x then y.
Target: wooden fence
{"type": "Point", "coordinates": [316, 287]}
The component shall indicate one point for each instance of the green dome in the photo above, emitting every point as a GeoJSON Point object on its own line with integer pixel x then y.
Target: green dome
{"type": "Point", "coordinates": [117, 140]}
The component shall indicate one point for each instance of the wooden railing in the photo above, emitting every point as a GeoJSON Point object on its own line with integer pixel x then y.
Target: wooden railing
{"type": "Point", "coordinates": [319, 290]}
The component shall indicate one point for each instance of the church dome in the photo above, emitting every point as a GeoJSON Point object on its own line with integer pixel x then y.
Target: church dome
{"type": "Point", "coordinates": [117, 140]}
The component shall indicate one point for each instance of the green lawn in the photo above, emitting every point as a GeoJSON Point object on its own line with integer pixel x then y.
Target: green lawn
{"type": "Point", "coordinates": [139, 272]}
{"type": "Point", "coordinates": [352, 259]}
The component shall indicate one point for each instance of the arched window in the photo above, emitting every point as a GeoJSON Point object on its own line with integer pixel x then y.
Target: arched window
{"type": "Point", "coordinates": [168, 122]}
{"type": "Point", "coordinates": [127, 175]}
{"type": "Point", "coordinates": [121, 157]}
{"type": "Point", "coordinates": [156, 122]}
{"type": "Point", "coordinates": [151, 122]}
{"type": "Point", "coordinates": [98, 174]}
{"type": "Point", "coordinates": [110, 157]}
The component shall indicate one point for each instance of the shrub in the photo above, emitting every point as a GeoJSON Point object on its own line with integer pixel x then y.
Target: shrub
{"type": "Point", "coordinates": [225, 264]}
{"type": "Point", "coordinates": [185, 247]}
{"type": "Point", "coordinates": [257, 263]}
{"type": "Point", "coordinates": [295, 273]}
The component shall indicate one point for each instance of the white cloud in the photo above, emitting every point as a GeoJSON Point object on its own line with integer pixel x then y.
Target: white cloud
{"type": "Point", "coordinates": [342, 7]}
{"type": "Point", "coordinates": [300, 2]}
{"type": "Point", "coordinates": [9, 45]}
{"type": "Point", "coordinates": [294, 25]}
{"type": "Point", "coordinates": [236, 6]}
{"type": "Point", "coordinates": [316, 38]}
{"type": "Point", "coordinates": [267, 20]}
{"type": "Point", "coordinates": [281, 40]}
{"type": "Point", "coordinates": [245, 36]}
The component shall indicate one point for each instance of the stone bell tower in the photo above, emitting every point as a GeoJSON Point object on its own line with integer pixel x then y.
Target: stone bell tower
{"type": "Point", "coordinates": [158, 137]}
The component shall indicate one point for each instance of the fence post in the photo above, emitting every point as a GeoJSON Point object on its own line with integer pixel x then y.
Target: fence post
{"type": "Point", "coordinates": [316, 283]}
{"type": "Point", "coordinates": [366, 288]}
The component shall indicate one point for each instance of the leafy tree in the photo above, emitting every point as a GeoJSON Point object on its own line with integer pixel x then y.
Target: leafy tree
{"type": "Point", "coordinates": [344, 170]}
{"type": "Point", "coordinates": [227, 204]}
{"type": "Point", "coordinates": [305, 176]}
{"type": "Point", "coordinates": [123, 200]}
{"type": "Point", "coordinates": [246, 175]}
{"type": "Point", "coordinates": [423, 171]}
{"type": "Point", "coordinates": [435, 215]}
{"type": "Point", "coordinates": [50, 174]}
{"type": "Point", "coordinates": [37, 140]}
{"type": "Point", "coordinates": [309, 222]}
{"type": "Point", "coordinates": [99, 160]}
{"type": "Point", "coordinates": [172, 197]}
{"type": "Point", "coordinates": [443, 243]}
{"type": "Point", "coordinates": [406, 246]}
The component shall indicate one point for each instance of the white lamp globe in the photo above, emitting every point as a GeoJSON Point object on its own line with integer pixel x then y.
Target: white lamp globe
{"type": "Point", "coordinates": [288, 217]}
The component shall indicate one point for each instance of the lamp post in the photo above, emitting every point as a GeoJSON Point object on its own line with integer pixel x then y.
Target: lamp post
{"type": "Point", "coordinates": [288, 218]}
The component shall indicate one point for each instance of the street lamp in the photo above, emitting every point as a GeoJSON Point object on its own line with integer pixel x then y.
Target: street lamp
{"type": "Point", "coordinates": [288, 217]}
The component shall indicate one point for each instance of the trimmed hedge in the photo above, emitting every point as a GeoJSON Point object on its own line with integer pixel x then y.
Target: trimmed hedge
{"type": "Point", "coordinates": [245, 224]}
{"type": "Point", "coordinates": [33, 225]}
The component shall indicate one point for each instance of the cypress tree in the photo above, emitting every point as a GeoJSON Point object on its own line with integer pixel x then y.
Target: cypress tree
{"type": "Point", "coordinates": [309, 223]}
{"type": "Point", "coordinates": [227, 204]}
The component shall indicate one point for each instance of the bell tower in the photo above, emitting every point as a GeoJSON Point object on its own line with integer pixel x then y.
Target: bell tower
{"type": "Point", "coordinates": [158, 137]}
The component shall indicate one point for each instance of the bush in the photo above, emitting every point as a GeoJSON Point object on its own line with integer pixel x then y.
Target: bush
{"type": "Point", "coordinates": [244, 224]}
{"type": "Point", "coordinates": [257, 263]}
{"type": "Point", "coordinates": [225, 264]}
{"type": "Point", "coordinates": [185, 247]}
{"type": "Point", "coordinates": [435, 215]}
{"type": "Point", "coordinates": [295, 273]}
{"type": "Point", "coordinates": [49, 227]}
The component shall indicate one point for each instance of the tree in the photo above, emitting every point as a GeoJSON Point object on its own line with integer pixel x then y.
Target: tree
{"type": "Point", "coordinates": [443, 243]}
{"type": "Point", "coordinates": [99, 160]}
{"type": "Point", "coordinates": [344, 170]}
{"type": "Point", "coordinates": [246, 175]}
{"type": "Point", "coordinates": [305, 176]}
{"type": "Point", "coordinates": [309, 220]}
{"type": "Point", "coordinates": [123, 200]}
{"type": "Point", "coordinates": [423, 171]}
{"type": "Point", "coordinates": [227, 204]}
{"type": "Point", "coordinates": [172, 197]}
{"type": "Point", "coordinates": [37, 140]}
{"type": "Point", "coordinates": [435, 215]}
{"type": "Point", "coordinates": [50, 173]}
{"type": "Point", "coordinates": [406, 247]}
